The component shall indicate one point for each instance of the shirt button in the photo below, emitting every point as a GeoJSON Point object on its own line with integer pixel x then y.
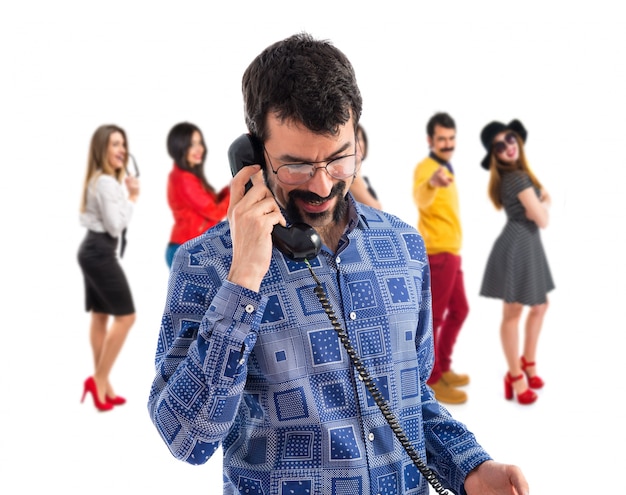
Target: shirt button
{"type": "Point", "coordinates": [352, 315]}
{"type": "Point", "coordinates": [249, 308]}
{"type": "Point", "coordinates": [370, 437]}
{"type": "Point", "coordinates": [360, 378]}
{"type": "Point", "coordinates": [338, 259]}
{"type": "Point", "coordinates": [242, 362]}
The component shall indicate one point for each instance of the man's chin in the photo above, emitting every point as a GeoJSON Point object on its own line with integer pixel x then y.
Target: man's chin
{"type": "Point", "coordinates": [317, 219]}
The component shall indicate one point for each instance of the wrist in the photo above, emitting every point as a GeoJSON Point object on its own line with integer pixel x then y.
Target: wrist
{"type": "Point", "coordinates": [244, 278]}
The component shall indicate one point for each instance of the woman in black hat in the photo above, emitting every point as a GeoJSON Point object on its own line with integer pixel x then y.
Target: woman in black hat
{"type": "Point", "coordinates": [517, 269]}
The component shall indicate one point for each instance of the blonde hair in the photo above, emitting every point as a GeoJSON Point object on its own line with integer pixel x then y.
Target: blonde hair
{"type": "Point", "coordinates": [498, 167]}
{"type": "Point", "coordinates": [97, 162]}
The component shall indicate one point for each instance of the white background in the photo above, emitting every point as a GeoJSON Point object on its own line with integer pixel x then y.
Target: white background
{"type": "Point", "coordinates": [69, 66]}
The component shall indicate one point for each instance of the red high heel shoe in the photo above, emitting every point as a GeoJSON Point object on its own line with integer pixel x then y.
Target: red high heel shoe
{"type": "Point", "coordinates": [118, 400]}
{"type": "Point", "coordinates": [90, 386]}
{"type": "Point", "coordinates": [533, 381]}
{"type": "Point", "coordinates": [525, 398]}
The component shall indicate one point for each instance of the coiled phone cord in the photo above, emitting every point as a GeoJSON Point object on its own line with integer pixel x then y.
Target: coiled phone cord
{"type": "Point", "coordinates": [428, 473]}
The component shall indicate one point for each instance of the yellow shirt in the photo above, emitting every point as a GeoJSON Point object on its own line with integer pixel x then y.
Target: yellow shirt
{"type": "Point", "coordinates": [438, 208]}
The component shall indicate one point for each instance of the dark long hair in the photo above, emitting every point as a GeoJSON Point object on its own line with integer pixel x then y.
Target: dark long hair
{"type": "Point", "coordinates": [178, 144]}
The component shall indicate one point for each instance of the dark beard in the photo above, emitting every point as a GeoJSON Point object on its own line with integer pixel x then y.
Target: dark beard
{"type": "Point", "coordinates": [338, 213]}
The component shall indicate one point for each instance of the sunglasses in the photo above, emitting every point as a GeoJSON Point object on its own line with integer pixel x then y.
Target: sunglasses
{"type": "Point", "coordinates": [501, 146]}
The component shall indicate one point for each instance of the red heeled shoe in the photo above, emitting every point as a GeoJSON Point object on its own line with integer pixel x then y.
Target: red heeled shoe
{"type": "Point", "coordinates": [118, 400]}
{"type": "Point", "coordinates": [533, 381]}
{"type": "Point", "coordinates": [525, 398]}
{"type": "Point", "coordinates": [90, 386]}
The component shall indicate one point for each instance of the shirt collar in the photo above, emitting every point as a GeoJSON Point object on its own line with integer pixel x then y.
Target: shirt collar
{"type": "Point", "coordinates": [448, 165]}
{"type": "Point", "coordinates": [356, 214]}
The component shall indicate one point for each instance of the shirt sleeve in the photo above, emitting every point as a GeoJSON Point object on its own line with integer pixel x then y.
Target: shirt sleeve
{"type": "Point", "coordinates": [115, 208]}
{"type": "Point", "coordinates": [423, 192]}
{"type": "Point", "coordinates": [517, 182]}
{"type": "Point", "coordinates": [201, 363]}
{"type": "Point", "coordinates": [211, 206]}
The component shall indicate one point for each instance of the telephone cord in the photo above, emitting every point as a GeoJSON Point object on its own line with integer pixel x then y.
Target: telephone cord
{"type": "Point", "coordinates": [386, 411]}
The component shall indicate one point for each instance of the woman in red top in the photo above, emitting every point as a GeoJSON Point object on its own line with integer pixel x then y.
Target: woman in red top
{"type": "Point", "coordinates": [195, 204]}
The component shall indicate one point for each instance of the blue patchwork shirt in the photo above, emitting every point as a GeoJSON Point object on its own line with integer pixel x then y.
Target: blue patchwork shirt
{"type": "Point", "coordinates": [266, 376]}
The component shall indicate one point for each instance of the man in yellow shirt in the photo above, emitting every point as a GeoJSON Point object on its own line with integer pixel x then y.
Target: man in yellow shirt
{"type": "Point", "coordinates": [436, 197]}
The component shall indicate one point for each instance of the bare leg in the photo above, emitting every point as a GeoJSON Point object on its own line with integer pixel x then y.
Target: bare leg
{"type": "Point", "coordinates": [509, 335]}
{"type": "Point", "coordinates": [111, 347]}
{"type": "Point", "coordinates": [97, 334]}
{"type": "Point", "coordinates": [534, 322]}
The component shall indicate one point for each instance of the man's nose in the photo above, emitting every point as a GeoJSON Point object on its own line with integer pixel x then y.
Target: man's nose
{"type": "Point", "coordinates": [321, 183]}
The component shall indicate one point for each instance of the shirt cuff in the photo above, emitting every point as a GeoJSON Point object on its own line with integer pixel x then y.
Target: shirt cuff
{"type": "Point", "coordinates": [241, 304]}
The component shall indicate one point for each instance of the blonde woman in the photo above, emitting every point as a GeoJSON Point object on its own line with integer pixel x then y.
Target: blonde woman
{"type": "Point", "coordinates": [106, 210]}
{"type": "Point", "coordinates": [517, 269]}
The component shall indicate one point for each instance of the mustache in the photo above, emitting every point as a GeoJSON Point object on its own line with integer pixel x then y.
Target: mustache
{"type": "Point", "coordinates": [312, 197]}
{"type": "Point", "coordinates": [445, 150]}
{"type": "Point", "coordinates": [338, 212]}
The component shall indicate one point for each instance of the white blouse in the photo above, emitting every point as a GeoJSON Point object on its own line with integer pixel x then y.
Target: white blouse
{"type": "Point", "coordinates": [108, 207]}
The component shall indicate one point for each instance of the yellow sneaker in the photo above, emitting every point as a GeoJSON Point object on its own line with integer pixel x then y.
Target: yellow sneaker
{"type": "Point", "coordinates": [455, 379]}
{"type": "Point", "coordinates": [446, 393]}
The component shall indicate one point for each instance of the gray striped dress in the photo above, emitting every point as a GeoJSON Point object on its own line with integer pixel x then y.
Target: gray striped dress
{"type": "Point", "coordinates": [517, 268]}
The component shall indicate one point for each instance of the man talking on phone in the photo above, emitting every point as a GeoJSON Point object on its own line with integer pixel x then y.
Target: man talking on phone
{"type": "Point", "coordinates": [249, 354]}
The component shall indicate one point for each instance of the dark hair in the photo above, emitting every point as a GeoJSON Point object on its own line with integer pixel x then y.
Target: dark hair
{"type": "Point", "coordinates": [178, 144]}
{"type": "Point", "coordinates": [442, 119]}
{"type": "Point", "coordinates": [304, 80]}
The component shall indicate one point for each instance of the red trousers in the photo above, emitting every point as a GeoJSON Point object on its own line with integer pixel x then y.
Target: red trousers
{"type": "Point", "coordinates": [450, 308]}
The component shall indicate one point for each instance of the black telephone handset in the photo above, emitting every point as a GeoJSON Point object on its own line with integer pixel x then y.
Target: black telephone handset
{"type": "Point", "coordinates": [299, 241]}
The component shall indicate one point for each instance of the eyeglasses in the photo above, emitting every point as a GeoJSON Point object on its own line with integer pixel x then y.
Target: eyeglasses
{"type": "Point", "coordinates": [501, 146]}
{"type": "Point", "coordinates": [294, 174]}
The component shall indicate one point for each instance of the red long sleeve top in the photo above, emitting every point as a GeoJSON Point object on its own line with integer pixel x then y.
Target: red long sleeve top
{"type": "Point", "coordinates": [194, 209]}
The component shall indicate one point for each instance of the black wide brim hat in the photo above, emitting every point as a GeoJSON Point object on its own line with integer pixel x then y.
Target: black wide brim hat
{"type": "Point", "coordinates": [491, 130]}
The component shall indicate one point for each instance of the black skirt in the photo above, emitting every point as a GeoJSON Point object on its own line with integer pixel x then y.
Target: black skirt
{"type": "Point", "coordinates": [106, 288]}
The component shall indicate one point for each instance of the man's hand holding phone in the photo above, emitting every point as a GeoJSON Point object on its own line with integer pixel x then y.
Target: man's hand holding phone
{"type": "Point", "coordinates": [252, 216]}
